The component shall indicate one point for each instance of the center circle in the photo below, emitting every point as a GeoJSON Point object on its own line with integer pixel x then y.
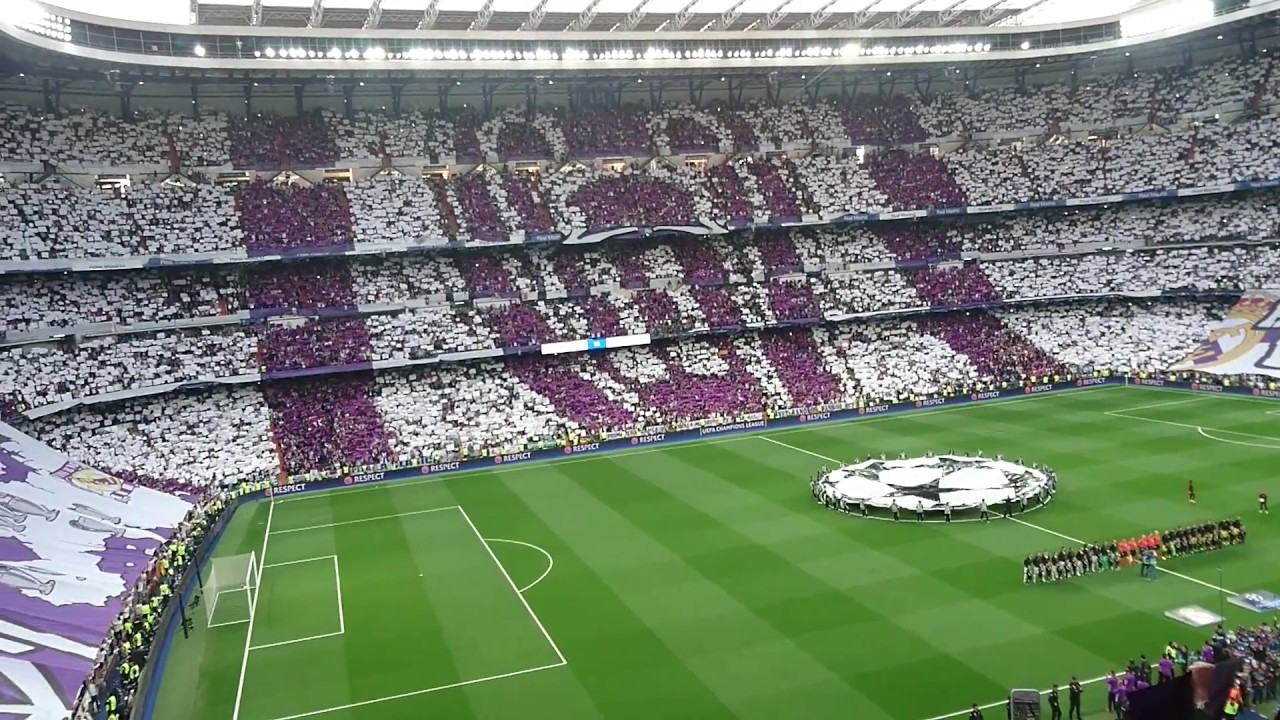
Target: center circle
{"type": "Point", "coordinates": [934, 484]}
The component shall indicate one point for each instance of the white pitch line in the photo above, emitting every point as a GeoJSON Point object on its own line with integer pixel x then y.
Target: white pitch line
{"type": "Point", "coordinates": [1116, 413]}
{"type": "Point", "coordinates": [365, 520]}
{"type": "Point", "coordinates": [800, 449]}
{"type": "Point", "coordinates": [1033, 526]}
{"type": "Point", "coordinates": [512, 583]}
{"type": "Point", "coordinates": [665, 447]}
{"type": "Point", "coordinates": [464, 683]}
{"type": "Point", "coordinates": [1001, 703]}
{"type": "Point", "coordinates": [309, 638]}
{"type": "Point", "coordinates": [1243, 443]}
{"type": "Point", "coordinates": [550, 560]}
{"type": "Point", "coordinates": [304, 560]}
{"type": "Point", "coordinates": [337, 581]}
{"type": "Point", "coordinates": [1167, 571]}
{"type": "Point", "coordinates": [1169, 403]}
{"type": "Point", "coordinates": [253, 613]}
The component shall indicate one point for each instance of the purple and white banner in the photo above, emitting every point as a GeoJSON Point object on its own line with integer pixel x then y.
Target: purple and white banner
{"type": "Point", "coordinates": [73, 542]}
{"type": "Point", "coordinates": [1245, 342]}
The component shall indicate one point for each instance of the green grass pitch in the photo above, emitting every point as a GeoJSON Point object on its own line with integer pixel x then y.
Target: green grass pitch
{"type": "Point", "coordinates": [701, 580]}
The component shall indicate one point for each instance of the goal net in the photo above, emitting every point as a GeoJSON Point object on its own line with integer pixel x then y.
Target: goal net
{"type": "Point", "coordinates": [229, 589]}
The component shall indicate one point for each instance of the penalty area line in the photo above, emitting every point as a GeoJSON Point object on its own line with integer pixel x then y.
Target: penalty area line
{"type": "Point", "coordinates": [415, 693]}
{"type": "Point", "coordinates": [1198, 428]}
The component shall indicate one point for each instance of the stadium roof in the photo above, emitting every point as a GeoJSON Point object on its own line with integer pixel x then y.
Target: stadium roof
{"type": "Point", "coordinates": [602, 15]}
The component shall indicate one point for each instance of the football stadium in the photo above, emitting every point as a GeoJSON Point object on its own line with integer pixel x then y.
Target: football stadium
{"type": "Point", "coordinates": [762, 359]}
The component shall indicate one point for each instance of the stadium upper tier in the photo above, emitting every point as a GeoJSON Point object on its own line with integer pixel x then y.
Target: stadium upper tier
{"type": "Point", "coordinates": [463, 136]}
{"type": "Point", "coordinates": [57, 218]}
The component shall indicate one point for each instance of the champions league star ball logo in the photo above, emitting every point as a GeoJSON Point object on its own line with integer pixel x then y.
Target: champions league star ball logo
{"type": "Point", "coordinates": [932, 482]}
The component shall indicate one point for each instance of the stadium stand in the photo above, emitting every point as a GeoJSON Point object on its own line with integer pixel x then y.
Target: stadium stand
{"type": "Point", "coordinates": [763, 320]}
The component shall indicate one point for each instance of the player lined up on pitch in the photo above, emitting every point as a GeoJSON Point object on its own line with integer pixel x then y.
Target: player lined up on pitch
{"type": "Point", "coordinates": [1145, 552]}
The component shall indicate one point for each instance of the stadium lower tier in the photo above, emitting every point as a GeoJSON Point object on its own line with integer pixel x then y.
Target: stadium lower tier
{"type": "Point", "coordinates": [441, 414]}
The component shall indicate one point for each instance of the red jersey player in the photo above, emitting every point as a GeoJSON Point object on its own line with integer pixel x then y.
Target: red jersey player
{"type": "Point", "coordinates": [1191, 491]}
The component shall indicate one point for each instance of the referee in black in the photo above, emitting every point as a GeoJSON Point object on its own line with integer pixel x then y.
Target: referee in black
{"type": "Point", "coordinates": [975, 713]}
{"type": "Point", "coordinates": [1008, 506]}
{"type": "Point", "coordinates": [1073, 699]}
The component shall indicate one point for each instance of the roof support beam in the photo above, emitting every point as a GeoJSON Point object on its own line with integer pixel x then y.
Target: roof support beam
{"type": "Point", "coordinates": [375, 16]}
{"type": "Point", "coordinates": [1023, 11]}
{"type": "Point", "coordinates": [483, 16]}
{"type": "Point", "coordinates": [634, 17]}
{"type": "Point", "coordinates": [949, 13]}
{"type": "Point", "coordinates": [815, 18]}
{"type": "Point", "coordinates": [682, 18]}
{"type": "Point", "coordinates": [429, 15]}
{"type": "Point", "coordinates": [317, 13]}
{"type": "Point", "coordinates": [857, 20]}
{"type": "Point", "coordinates": [584, 18]}
{"type": "Point", "coordinates": [989, 13]}
{"type": "Point", "coordinates": [775, 15]}
{"type": "Point", "coordinates": [255, 13]}
{"type": "Point", "coordinates": [728, 17]}
{"type": "Point", "coordinates": [536, 15]}
{"type": "Point", "coordinates": [904, 16]}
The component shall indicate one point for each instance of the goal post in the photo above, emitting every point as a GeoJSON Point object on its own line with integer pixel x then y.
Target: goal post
{"type": "Point", "coordinates": [229, 589]}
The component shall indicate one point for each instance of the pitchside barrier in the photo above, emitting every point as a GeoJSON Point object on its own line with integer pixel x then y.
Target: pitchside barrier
{"type": "Point", "coordinates": [150, 680]}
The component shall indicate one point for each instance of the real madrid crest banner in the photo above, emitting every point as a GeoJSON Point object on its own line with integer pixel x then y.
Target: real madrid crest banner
{"type": "Point", "coordinates": [1245, 342]}
{"type": "Point", "coordinates": [73, 542]}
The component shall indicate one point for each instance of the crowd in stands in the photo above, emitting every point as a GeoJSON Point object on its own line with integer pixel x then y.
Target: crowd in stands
{"type": "Point", "coordinates": [1133, 337]}
{"type": "Point", "coordinates": [58, 219]}
{"type": "Point", "coordinates": [45, 301]}
{"type": "Point", "coordinates": [1129, 101]}
{"type": "Point", "coordinates": [280, 218]}
{"type": "Point", "coordinates": [688, 296]}
{"type": "Point", "coordinates": [887, 360]}
{"type": "Point", "coordinates": [29, 302]}
{"type": "Point", "coordinates": [45, 374]}
{"type": "Point", "coordinates": [219, 436]}
{"type": "Point", "coordinates": [1156, 130]}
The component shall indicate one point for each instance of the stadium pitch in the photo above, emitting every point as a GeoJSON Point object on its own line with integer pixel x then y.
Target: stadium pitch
{"type": "Point", "coordinates": [701, 580]}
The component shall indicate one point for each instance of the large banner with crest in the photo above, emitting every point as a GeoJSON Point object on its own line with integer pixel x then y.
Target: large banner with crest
{"type": "Point", "coordinates": [73, 541]}
{"type": "Point", "coordinates": [1245, 342]}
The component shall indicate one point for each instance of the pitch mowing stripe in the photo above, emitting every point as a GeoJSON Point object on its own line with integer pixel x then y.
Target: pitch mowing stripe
{"type": "Point", "coordinates": [604, 578]}
{"type": "Point", "coordinates": [1024, 523]}
{"type": "Point", "coordinates": [949, 582]}
{"type": "Point", "coordinates": [819, 616]}
{"type": "Point", "coordinates": [1030, 525]}
{"type": "Point", "coordinates": [659, 565]}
